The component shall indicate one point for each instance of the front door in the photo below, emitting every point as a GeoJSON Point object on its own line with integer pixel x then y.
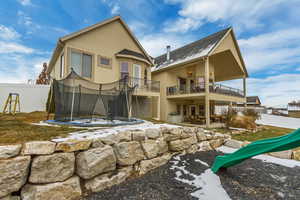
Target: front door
{"type": "Point", "coordinates": [137, 74]}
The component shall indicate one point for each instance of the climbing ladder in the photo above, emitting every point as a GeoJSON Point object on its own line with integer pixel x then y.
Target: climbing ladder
{"type": "Point", "coordinates": [13, 98]}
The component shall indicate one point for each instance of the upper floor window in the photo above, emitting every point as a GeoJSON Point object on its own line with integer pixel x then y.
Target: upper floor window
{"type": "Point", "coordinates": [62, 65]}
{"type": "Point", "coordinates": [124, 69]}
{"type": "Point", "coordinates": [104, 62]}
{"type": "Point", "coordinates": [82, 64]}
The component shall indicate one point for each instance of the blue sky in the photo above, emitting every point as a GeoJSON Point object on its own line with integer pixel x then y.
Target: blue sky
{"type": "Point", "coordinates": [268, 33]}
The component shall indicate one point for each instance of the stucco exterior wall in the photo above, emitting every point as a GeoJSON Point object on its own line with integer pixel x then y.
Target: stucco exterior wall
{"type": "Point", "coordinates": [106, 41]}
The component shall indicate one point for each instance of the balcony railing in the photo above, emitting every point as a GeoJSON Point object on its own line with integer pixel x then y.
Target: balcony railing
{"type": "Point", "coordinates": [200, 88]}
{"type": "Point", "coordinates": [144, 84]}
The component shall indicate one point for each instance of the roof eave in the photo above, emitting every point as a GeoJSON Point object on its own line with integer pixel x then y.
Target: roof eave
{"type": "Point", "coordinates": [57, 51]}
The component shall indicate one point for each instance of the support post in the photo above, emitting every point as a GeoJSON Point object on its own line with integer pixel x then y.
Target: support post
{"type": "Point", "coordinates": [244, 86]}
{"type": "Point", "coordinates": [158, 107]}
{"type": "Point", "coordinates": [207, 111]}
{"type": "Point", "coordinates": [207, 105]}
{"type": "Point", "coordinates": [73, 96]}
{"type": "Point", "coordinates": [245, 91]}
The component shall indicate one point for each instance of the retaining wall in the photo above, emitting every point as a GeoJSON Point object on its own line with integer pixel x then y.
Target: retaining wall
{"type": "Point", "coordinates": [45, 170]}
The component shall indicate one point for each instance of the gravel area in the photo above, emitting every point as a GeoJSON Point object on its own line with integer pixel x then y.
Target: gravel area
{"type": "Point", "coordinates": [252, 179]}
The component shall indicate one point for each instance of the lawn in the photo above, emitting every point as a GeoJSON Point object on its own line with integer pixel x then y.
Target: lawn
{"type": "Point", "coordinates": [18, 128]}
{"type": "Point", "coordinates": [263, 133]}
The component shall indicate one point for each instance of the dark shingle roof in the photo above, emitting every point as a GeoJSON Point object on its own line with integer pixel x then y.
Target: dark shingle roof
{"type": "Point", "coordinates": [132, 53]}
{"type": "Point", "coordinates": [191, 49]}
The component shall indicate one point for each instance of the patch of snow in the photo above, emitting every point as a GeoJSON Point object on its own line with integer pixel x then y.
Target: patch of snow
{"type": "Point", "coordinates": [202, 162]}
{"type": "Point", "coordinates": [201, 53]}
{"type": "Point", "coordinates": [98, 133]}
{"type": "Point", "coordinates": [280, 178]}
{"type": "Point", "coordinates": [41, 123]}
{"type": "Point", "coordinates": [265, 158]}
{"type": "Point", "coordinates": [208, 184]}
{"type": "Point", "coordinates": [279, 121]}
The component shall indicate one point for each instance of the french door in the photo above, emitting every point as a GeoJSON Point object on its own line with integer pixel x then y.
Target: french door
{"type": "Point", "coordinates": [137, 74]}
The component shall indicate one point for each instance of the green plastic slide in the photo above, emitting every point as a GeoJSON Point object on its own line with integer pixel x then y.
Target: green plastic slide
{"type": "Point", "coordinates": [281, 143]}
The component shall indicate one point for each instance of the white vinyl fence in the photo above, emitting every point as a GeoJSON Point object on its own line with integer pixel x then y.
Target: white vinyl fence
{"type": "Point", "coordinates": [219, 109]}
{"type": "Point", "coordinates": [32, 97]}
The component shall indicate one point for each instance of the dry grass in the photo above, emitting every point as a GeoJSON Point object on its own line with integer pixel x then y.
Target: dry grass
{"type": "Point", "coordinates": [263, 133]}
{"type": "Point", "coordinates": [18, 128]}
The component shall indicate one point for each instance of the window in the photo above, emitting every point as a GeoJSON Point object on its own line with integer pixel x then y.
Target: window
{"type": "Point", "coordinates": [104, 62]}
{"type": "Point", "coordinates": [124, 69]}
{"type": "Point", "coordinates": [62, 64]}
{"type": "Point", "coordinates": [82, 64]}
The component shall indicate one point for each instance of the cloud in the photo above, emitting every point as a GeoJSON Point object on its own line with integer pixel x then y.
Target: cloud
{"type": "Point", "coordinates": [18, 68]}
{"type": "Point", "coordinates": [25, 2]}
{"type": "Point", "coordinates": [275, 90]}
{"type": "Point", "coordinates": [113, 5]}
{"type": "Point", "coordinates": [155, 44]}
{"type": "Point", "coordinates": [18, 63]}
{"type": "Point", "coordinates": [271, 50]}
{"type": "Point", "coordinates": [7, 33]}
{"type": "Point", "coordinates": [12, 47]}
{"type": "Point", "coordinates": [115, 9]}
{"type": "Point", "coordinates": [182, 25]}
{"type": "Point", "coordinates": [242, 14]}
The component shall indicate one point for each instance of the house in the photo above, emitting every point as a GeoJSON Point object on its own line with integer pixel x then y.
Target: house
{"type": "Point", "coordinates": [294, 109]}
{"type": "Point", "coordinates": [191, 77]}
{"type": "Point", "coordinates": [253, 101]}
{"type": "Point", "coordinates": [107, 52]}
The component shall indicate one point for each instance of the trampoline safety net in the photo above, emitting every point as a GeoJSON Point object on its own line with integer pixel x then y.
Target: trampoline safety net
{"type": "Point", "coordinates": [78, 98]}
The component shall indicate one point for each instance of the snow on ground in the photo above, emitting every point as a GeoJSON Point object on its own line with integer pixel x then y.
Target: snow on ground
{"type": "Point", "coordinates": [208, 184]}
{"type": "Point", "coordinates": [279, 121]}
{"type": "Point", "coordinates": [100, 132]}
{"type": "Point", "coordinates": [265, 158]}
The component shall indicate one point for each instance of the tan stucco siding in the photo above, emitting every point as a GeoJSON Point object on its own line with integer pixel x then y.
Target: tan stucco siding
{"type": "Point", "coordinates": [105, 41]}
{"type": "Point", "coordinates": [55, 73]}
{"type": "Point", "coordinates": [228, 44]}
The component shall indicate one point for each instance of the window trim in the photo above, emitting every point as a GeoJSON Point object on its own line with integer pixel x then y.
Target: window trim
{"type": "Point", "coordinates": [103, 65]}
{"type": "Point", "coordinates": [62, 65]}
{"type": "Point", "coordinates": [71, 49]}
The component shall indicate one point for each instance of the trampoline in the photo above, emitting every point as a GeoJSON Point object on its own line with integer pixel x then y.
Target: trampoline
{"type": "Point", "coordinates": [81, 102]}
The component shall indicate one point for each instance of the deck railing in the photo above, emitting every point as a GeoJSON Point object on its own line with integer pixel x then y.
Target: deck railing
{"type": "Point", "coordinates": [144, 84]}
{"type": "Point", "coordinates": [200, 88]}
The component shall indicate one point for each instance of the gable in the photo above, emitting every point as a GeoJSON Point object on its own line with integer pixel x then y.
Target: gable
{"type": "Point", "coordinates": [109, 36]}
{"type": "Point", "coordinates": [190, 51]}
{"type": "Point", "coordinates": [229, 43]}
{"type": "Point", "coordinates": [108, 40]}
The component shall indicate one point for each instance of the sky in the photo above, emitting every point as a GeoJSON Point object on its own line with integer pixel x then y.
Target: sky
{"type": "Point", "coordinates": [268, 33]}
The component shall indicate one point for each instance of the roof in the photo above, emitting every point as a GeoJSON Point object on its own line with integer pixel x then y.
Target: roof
{"type": "Point", "coordinates": [190, 51]}
{"type": "Point", "coordinates": [62, 40]}
{"type": "Point", "coordinates": [252, 99]}
{"type": "Point", "coordinates": [131, 53]}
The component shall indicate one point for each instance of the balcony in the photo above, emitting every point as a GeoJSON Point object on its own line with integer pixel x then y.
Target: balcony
{"type": "Point", "coordinates": [200, 88]}
{"type": "Point", "coordinates": [144, 85]}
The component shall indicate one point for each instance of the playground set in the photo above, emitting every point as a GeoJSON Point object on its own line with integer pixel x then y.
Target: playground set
{"type": "Point", "coordinates": [276, 144]}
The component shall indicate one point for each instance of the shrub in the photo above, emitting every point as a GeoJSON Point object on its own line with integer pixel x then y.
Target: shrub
{"type": "Point", "coordinates": [229, 115]}
{"type": "Point", "coordinates": [252, 113]}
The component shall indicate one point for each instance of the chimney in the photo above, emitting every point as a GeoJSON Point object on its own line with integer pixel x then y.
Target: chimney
{"type": "Point", "coordinates": [168, 52]}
